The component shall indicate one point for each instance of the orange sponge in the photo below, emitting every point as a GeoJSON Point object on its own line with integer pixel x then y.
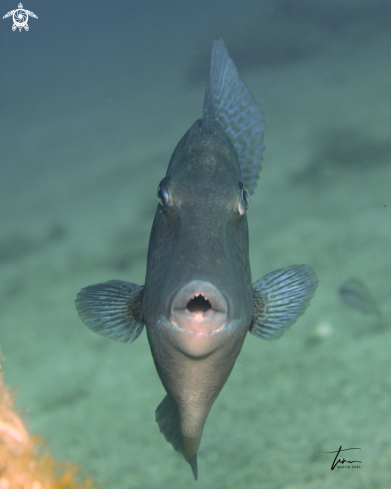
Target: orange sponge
{"type": "Point", "coordinates": [25, 461]}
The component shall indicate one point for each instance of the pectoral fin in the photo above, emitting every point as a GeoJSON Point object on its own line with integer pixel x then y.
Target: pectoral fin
{"type": "Point", "coordinates": [280, 298]}
{"type": "Point", "coordinates": [112, 309]}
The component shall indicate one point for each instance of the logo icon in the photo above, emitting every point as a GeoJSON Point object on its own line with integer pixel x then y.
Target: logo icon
{"type": "Point", "coordinates": [20, 17]}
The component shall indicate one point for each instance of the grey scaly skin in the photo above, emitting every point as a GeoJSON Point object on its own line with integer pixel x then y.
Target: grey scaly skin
{"type": "Point", "coordinates": [198, 302]}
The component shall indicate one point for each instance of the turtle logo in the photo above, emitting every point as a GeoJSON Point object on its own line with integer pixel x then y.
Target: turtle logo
{"type": "Point", "coordinates": [20, 17]}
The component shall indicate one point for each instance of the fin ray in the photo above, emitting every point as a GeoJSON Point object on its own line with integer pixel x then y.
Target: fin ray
{"type": "Point", "coordinates": [112, 309]}
{"type": "Point", "coordinates": [239, 114]}
{"type": "Point", "coordinates": [208, 112]}
{"type": "Point", "coordinates": [280, 298]}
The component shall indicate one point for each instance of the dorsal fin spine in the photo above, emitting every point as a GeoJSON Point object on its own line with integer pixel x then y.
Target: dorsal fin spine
{"type": "Point", "coordinates": [208, 116]}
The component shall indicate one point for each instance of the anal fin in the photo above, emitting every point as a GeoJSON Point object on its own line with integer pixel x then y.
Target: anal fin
{"type": "Point", "coordinates": [167, 417]}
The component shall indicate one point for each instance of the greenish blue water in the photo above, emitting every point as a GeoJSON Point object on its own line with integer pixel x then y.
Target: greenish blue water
{"type": "Point", "coordinates": [93, 100]}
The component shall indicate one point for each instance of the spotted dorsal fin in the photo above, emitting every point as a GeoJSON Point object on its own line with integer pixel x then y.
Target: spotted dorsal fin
{"type": "Point", "coordinates": [238, 113]}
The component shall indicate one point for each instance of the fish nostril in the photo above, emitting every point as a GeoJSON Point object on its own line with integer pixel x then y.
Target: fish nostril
{"type": "Point", "coordinates": [198, 304]}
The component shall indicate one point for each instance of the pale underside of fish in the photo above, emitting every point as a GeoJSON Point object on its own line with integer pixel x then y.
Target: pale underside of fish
{"type": "Point", "coordinates": [198, 302]}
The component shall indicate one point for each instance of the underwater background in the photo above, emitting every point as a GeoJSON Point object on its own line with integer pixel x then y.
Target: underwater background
{"type": "Point", "coordinates": [93, 100]}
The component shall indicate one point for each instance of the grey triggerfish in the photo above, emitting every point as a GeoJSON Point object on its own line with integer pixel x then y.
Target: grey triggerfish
{"type": "Point", "coordinates": [198, 302]}
{"type": "Point", "coordinates": [357, 295]}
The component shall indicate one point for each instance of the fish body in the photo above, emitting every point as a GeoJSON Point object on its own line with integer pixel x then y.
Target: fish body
{"type": "Point", "coordinates": [198, 302]}
{"type": "Point", "coordinates": [357, 295]}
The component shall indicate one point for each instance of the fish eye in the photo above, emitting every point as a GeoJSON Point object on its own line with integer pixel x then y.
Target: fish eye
{"type": "Point", "coordinates": [244, 199]}
{"type": "Point", "coordinates": [162, 191]}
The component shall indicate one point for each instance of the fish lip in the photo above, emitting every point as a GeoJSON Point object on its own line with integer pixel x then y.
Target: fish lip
{"type": "Point", "coordinates": [197, 334]}
{"type": "Point", "coordinates": [199, 323]}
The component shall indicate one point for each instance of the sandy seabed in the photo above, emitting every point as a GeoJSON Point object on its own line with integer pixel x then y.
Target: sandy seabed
{"type": "Point", "coordinates": [323, 199]}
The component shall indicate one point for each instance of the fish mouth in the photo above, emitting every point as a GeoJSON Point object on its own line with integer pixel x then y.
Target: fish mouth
{"type": "Point", "coordinates": [199, 308]}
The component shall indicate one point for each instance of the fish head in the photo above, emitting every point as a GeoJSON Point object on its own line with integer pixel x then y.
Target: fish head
{"type": "Point", "coordinates": [198, 284]}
